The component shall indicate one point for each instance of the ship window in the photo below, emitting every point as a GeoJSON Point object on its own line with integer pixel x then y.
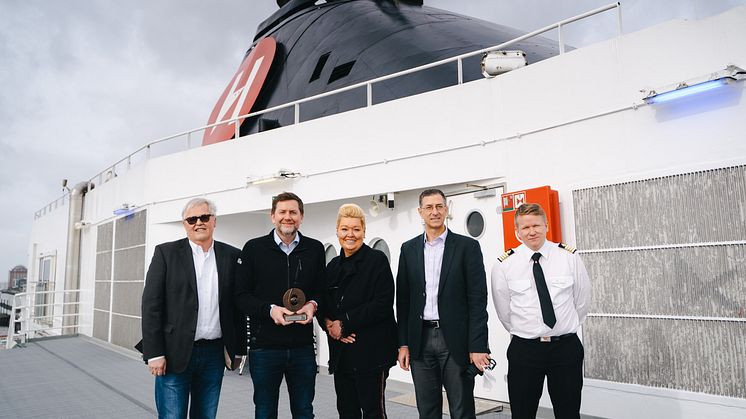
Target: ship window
{"type": "Point", "coordinates": [329, 252]}
{"type": "Point", "coordinates": [475, 224]}
{"type": "Point", "coordinates": [319, 66]}
{"type": "Point", "coordinates": [341, 71]}
{"type": "Point", "coordinates": [380, 244]}
{"type": "Point", "coordinates": [266, 124]}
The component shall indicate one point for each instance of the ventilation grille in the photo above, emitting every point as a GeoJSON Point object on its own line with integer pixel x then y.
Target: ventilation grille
{"type": "Point", "coordinates": [319, 67]}
{"type": "Point", "coordinates": [667, 260]}
{"type": "Point", "coordinates": [341, 71]}
{"type": "Point", "coordinates": [701, 207]}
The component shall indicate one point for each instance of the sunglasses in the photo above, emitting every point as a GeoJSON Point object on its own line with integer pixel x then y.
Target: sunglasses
{"type": "Point", "coordinates": [193, 220]}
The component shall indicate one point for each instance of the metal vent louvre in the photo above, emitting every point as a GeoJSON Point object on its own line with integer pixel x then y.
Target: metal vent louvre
{"type": "Point", "coordinates": [120, 276]}
{"type": "Point", "coordinates": [700, 207]}
{"type": "Point", "coordinates": [667, 260]}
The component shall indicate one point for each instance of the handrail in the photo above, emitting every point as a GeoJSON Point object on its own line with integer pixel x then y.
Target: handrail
{"type": "Point", "coordinates": [24, 314]}
{"type": "Point", "coordinates": [367, 84]}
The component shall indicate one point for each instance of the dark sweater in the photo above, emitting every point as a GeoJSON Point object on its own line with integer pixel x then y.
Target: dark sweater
{"type": "Point", "coordinates": [360, 293]}
{"type": "Point", "coordinates": [264, 274]}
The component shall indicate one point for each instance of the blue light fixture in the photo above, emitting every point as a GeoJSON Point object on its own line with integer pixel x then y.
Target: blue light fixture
{"type": "Point", "coordinates": [125, 209]}
{"type": "Point", "coordinates": [696, 86]}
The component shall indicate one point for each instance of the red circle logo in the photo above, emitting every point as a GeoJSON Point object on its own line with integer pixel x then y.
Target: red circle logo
{"type": "Point", "coordinates": [241, 93]}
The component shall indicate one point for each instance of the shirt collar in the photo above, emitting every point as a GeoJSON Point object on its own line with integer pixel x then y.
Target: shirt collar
{"type": "Point", "coordinates": [279, 241]}
{"type": "Point", "coordinates": [438, 240]}
{"type": "Point", "coordinates": [197, 249]}
{"type": "Point", "coordinates": [545, 250]}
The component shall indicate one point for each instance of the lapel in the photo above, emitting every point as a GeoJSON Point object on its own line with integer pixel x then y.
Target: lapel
{"type": "Point", "coordinates": [420, 259]}
{"type": "Point", "coordinates": [187, 262]}
{"type": "Point", "coordinates": [220, 265]}
{"type": "Point", "coordinates": [448, 253]}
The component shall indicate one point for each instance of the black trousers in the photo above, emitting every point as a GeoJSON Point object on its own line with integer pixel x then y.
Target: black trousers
{"type": "Point", "coordinates": [560, 361]}
{"type": "Point", "coordinates": [436, 370]}
{"type": "Point", "coordinates": [361, 395]}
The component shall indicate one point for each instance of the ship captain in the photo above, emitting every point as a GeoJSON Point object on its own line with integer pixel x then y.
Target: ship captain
{"type": "Point", "coordinates": [541, 293]}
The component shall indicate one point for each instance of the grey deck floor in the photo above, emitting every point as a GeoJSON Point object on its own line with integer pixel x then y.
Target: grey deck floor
{"type": "Point", "coordinates": [78, 377]}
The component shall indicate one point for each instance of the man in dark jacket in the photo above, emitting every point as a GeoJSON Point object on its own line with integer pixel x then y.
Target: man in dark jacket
{"type": "Point", "coordinates": [441, 304]}
{"type": "Point", "coordinates": [190, 330]}
{"type": "Point", "coordinates": [282, 262]}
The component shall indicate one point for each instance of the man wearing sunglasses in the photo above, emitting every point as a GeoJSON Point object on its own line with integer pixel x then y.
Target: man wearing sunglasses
{"type": "Point", "coordinates": [191, 331]}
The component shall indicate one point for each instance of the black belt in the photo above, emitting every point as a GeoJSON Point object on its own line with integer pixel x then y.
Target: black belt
{"type": "Point", "coordinates": [431, 324]}
{"type": "Point", "coordinates": [205, 342]}
{"type": "Point", "coordinates": [546, 339]}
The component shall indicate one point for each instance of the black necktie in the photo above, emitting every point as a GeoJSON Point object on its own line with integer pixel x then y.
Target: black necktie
{"type": "Point", "coordinates": [547, 311]}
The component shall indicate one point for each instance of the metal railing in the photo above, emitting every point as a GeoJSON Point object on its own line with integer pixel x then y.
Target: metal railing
{"type": "Point", "coordinates": [186, 139]}
{"type": "Point", "coordinates": [33, 316]}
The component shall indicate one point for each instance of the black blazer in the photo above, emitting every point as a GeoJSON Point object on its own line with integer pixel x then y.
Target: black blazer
{"type": "Point", "coordinates": [462, 297]}
{"type": "Point", "coordinates": [360, 292]}
{"type": "Point", "coordinates": [169, 304]}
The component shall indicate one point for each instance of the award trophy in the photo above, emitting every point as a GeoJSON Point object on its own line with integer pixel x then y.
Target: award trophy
{"type": "Point", "coordinates": [293, 300]}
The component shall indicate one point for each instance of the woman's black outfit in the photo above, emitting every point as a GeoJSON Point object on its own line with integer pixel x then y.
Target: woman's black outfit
{"type": "Point", "coordinates": [360, 293]}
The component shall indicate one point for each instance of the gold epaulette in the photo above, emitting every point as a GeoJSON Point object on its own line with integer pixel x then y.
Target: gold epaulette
{"type": "Point", "coordinates": [505, 255]}
{"type": "Point", "coordinates": [567, 247]}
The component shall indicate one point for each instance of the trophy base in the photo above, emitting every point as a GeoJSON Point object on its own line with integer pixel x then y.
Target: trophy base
{"type": "Point", "coordinates": [295, 317]}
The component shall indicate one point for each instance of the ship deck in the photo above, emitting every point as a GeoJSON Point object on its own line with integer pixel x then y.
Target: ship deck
{"type": "Point", "coordinates": [77, 376]}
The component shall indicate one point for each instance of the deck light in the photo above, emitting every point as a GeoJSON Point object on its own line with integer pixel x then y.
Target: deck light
{"type": "Point", "coordinates": [498, 62]}
{"type": "Point", "coordinates": [280, 174]}
{"type": "Point", "coordinates": [125, 209]}
{"type": "Point", "coordinates": [697, 85]}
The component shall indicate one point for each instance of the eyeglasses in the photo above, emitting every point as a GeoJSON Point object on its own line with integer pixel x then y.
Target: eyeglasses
{"type": "Point", "coordinates": [193, 220]}
{"type": "Point", "coordinates": [430, 208]}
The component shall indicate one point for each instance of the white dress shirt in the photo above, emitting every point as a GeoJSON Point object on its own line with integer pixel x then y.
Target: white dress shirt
{"type": "Point", "coordinates": [433, 261]}
{"type": "Point", "coordinates": [517, 301]}
{"type": "Point", "coordinates": [206, 270]}
{"type": "Point", "coordinates": [287, 248]}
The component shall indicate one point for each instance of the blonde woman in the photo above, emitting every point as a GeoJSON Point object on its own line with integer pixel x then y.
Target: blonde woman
{"type": "Point", "coordinates": [358, 317]}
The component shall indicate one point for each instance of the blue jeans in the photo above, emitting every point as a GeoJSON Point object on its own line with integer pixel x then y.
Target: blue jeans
{"type": "Point", "coordinates": [202, 379]}
{"type": "Point", "coordinates": [268, 366]}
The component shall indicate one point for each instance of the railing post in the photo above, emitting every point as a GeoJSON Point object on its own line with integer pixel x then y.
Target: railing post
{"type": "Point", "coordinates": [238, 128]}
{"type": "Point", "coordinates": [559, 39]}
{"type": "Point", "coordinates": [369, 94]}
{"type": "Point", "coordinates": [460, 65]}
{"type": "Point", "coordinates": [26, 318]}
{"type": "Point", "coordinates": [189, 140]}
{"type": "Point", "coordinates": [619, 18]}
{"type": "Point", "coordinates": [296, 111]}
{"type": "Point", "coordinates": [10, 340]}
{"type": "Point", "coordinates": [147, 152]}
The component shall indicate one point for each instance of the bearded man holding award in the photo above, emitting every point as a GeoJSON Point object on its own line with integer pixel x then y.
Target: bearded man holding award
{"type": "Point", "coordinates": [279, 279]}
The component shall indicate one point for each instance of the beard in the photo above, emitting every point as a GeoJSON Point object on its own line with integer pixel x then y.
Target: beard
{"type": "Point", "coordinates": [288, 230]}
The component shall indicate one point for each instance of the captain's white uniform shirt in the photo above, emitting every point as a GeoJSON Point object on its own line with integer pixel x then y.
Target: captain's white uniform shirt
{"type": "Point", "coordinates": [517, 302]}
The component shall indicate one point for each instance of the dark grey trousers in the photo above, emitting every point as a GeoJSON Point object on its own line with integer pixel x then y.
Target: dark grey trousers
{"type": "Point", "coordinates": [435, 370]}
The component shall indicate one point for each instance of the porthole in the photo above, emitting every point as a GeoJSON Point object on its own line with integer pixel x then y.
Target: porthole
{"type": "Point", "coordinates": [329, 252]}
{"type": "Point", "coordinates": [380, 244]}
{"type": "Point", "coordinates": [475, 224]}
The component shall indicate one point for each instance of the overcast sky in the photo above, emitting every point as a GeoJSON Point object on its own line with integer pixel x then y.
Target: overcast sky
{"type": "Point", "coordinates": [85, 82]}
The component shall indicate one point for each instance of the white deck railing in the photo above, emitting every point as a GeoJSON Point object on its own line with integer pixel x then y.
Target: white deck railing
{"type": "Point", "coordinates": [185, 138]}
{"type": "Point", "coordinates": [43, 313]}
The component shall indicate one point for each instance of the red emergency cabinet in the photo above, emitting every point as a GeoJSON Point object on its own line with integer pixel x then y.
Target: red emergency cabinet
{"type": "Point", "coordinates": [544, 196]}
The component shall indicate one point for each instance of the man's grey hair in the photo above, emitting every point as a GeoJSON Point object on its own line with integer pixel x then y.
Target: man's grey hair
{"type": "Point", "coordinates": [199, 201]}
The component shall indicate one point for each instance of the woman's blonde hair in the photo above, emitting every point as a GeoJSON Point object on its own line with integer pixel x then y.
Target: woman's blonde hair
{"type": "Point", "coordinates": [351, 211]}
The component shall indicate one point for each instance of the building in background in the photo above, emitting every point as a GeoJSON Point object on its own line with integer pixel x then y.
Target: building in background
{"type": "Point", "coordinates": [17, 277]}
